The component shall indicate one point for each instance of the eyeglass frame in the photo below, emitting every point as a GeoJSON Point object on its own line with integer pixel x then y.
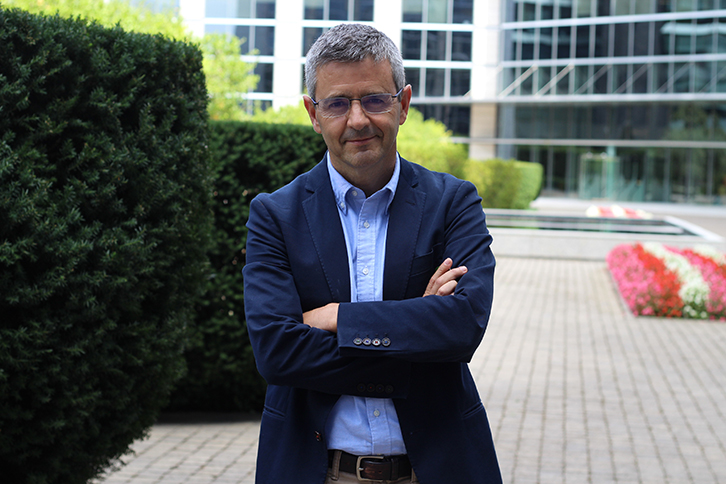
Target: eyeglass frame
{"type": "Point", "coordinates": [360, 100]}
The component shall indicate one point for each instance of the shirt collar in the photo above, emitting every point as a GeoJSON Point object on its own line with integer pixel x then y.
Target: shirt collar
{"type": "Point", "coordinates": [341, 186]}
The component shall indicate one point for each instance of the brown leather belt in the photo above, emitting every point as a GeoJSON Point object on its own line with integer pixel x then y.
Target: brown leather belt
{"type": "Point", "coordinates": [372, 467]}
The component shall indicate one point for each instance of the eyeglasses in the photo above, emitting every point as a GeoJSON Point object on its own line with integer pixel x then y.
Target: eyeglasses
{"type": "Point", "coordinates": [334, 107]}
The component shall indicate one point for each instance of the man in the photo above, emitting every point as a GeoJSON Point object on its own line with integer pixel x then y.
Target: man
{"type": "Point", "coordinates": [367, 377]}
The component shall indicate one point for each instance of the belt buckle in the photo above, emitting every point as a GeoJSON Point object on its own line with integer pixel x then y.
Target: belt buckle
{"type": "Point", "coordinates": [358, 467]}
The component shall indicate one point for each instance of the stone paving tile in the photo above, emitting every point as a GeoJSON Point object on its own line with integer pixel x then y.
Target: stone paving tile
{"type": "Point", "coordinates": [576, 389]}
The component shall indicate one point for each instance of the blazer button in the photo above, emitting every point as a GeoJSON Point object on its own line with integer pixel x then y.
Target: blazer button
{"type": "Point", "coordinates": [318, 436]}
{"type": "Point", "coordinates": [367, 341]}
{"type": "Point", "coordinates": [357, 341]}
{"type": "Point", "coordinates": [389, 389]}
{"type": "Point", "coordinates": [376, 342]}
{"type": "Point", "coordinates": [361, 387]}
{"type": "Point", "coordinates": [386, 342]}
{"type": "Point", "coordinates": [371, 388]}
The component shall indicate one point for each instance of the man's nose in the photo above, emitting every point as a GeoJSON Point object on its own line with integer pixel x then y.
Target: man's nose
{"type": "Point", "coordinates": [356, 115]}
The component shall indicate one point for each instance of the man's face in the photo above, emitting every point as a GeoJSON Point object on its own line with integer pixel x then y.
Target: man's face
{"type": "Point", "coordinates": [362, 146]}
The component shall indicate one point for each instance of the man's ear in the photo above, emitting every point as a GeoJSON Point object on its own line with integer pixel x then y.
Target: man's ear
{"type": "Point", "coordinates": [312, 112]}
{"type": "Point", "coordinates": [405, 103]}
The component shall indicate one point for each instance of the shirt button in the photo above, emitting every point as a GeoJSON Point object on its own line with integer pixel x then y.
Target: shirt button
{"type": "Point", "coordinates": [377, 413]}
{"type": "Point", "coordinates": [366, 224]}
{"type": "Point", "coordinates": [341, 205]}
{"type": "Point", "coordinates": [365, 271]}
{"type": "Point", "coordinates": [354, 193]}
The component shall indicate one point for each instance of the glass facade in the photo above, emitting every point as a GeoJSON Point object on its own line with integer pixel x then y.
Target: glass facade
{"type": "Point", "coordinates": [326, 10]}
{"type": "Point", "coordinates": [436, 43]}
{"type": "Point", "coordinates": [641, 83]}
{"type": "Point", "coordinates": [253, 21]}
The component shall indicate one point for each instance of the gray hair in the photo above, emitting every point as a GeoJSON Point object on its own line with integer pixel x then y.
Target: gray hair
{"type": "Point", "coordinates": [352, 43]}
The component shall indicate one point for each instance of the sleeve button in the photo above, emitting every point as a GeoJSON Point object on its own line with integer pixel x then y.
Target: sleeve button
{"type": "Point", "coordinates": [358, 341]}
{"type": "Point", "coordinates": [386, 342]}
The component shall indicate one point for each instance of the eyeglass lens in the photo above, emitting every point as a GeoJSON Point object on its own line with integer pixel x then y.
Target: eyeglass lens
{"type": "Point", "coordinates": [372, 104]}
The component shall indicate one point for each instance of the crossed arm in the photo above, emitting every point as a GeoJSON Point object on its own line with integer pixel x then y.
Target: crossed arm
{"type": "Point", "coordinates": [442, 283]}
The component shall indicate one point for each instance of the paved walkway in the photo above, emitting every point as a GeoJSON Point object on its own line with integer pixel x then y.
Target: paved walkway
{"type": "Point", "coordinates": [577, 391]}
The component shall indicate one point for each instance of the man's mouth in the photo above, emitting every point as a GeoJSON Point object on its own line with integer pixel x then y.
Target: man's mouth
{"type": "Point", "coordinates": [359, 141]}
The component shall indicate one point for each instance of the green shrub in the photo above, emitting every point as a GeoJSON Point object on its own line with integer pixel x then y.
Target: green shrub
{"type": "Point", "coordinates": [497, 181]}
{"type": "Point", "coordinates": [530, 184]}
{"type": "Point", "coordinates": [428, 143]}
{"type": "Point", "coordinates": [249, 158]}
{"type": "Point", "coordinates": [104, 222]}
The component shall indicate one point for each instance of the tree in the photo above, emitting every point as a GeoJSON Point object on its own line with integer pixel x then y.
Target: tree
{"type": "Point", "coordinates": [228, 76]}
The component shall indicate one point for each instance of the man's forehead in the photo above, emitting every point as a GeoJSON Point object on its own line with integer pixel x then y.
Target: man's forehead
{"type": "Point", "coordinates": [336, 75]}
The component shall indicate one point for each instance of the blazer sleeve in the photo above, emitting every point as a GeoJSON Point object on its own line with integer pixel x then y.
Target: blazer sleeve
{"type": "Point", "coordinates": [433, 328]}
{"type": "Point", "coordinates": [288, 352]}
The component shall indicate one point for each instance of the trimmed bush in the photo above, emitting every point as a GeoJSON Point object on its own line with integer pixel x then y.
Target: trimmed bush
{"type": "Point", "coordinates": [104, 225]}
{"type": "Point", "coordinates": [497, 181]}
{"type": "Point", "coordinates": [249, 158]}
{"type": "Point", "coordinates": [530, 183]}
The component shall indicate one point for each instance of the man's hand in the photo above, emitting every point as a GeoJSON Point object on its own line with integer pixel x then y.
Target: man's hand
{"type": "Point", "coordinates": [325, 317]}
{"type": "Point", "coordinates": [444, 280]}
{"type": "Point", "coordinates": [442, 283]}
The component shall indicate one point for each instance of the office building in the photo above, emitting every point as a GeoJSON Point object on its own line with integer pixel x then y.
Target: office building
{"type": "Point", "coordinates": [619, 99]}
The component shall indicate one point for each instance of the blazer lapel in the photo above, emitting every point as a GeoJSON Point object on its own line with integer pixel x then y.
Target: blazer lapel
{"type": "Point", "coordinates": [327, 232]}
{"type": "Point", "coordinates": [404, 222]}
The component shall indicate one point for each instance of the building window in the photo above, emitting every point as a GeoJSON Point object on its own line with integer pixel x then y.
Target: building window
{"type": "Point", "coordinates": [358, 10]}
{"type": "Point", "coordinates": [344, 10]}
{"type": "Point", "coordinates": [240, 8]}
{"type": "Point", "coordinates": [438, 11]}
{"type": "Point", "coordinates": [438, 45]}
{"type": "Point", "coordinates": [265, 72]}
{"type": "Point", "coordinates": [259, 38]}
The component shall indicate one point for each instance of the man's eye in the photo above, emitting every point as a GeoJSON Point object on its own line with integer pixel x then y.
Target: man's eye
{"type": "Point", "coordinates": [375, 101]}
{"type": "Point", "coordinates": [336, 103]}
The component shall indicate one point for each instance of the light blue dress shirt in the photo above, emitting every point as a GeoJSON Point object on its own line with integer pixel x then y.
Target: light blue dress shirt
{"type": "Point", "coordinates": [362, 425]}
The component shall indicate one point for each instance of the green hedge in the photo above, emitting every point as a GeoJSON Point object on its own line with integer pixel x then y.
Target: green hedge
{"type": "Point", "coordinates": [530, 184]}
{"type": "Point", "coordinates": [505, 183]}
{"type": "Point", "coordinates": [249, 158]}
{"type": "Point", "coordinates": [104, 223]}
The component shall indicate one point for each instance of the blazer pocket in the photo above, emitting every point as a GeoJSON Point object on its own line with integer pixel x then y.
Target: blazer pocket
{"type": "Point", "coordinates": [426, 264]}
{"type": "Point", "coordinates": [476, 408]}
{"type": "Point", "coordinates": [273, 413]}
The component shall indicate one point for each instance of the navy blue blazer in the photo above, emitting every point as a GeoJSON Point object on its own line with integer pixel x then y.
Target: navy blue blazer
{"type": "Point", "coordinates": [297, 261]}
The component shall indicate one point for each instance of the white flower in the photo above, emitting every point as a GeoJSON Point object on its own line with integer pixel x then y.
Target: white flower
{"type": "Point", "coordinates": [694, 289]}
{"type": "Point", "coordinates": [711, 252]}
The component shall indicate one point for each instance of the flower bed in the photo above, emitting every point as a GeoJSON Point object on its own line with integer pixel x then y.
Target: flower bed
{"type": "Point", "coordinates": [663, 281]}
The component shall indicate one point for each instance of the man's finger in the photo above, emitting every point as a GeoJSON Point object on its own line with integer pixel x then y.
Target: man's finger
{"type": "Point", "coordinates": [447, 289]}
{"type": "Point", "coordinates": [442, 269]}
